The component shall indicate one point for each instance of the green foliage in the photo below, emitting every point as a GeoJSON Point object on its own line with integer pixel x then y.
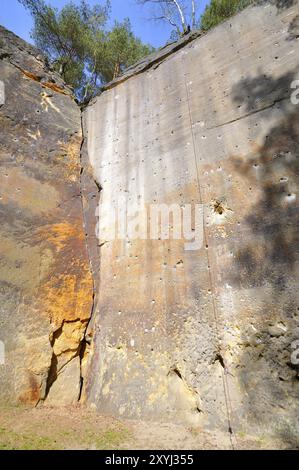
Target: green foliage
{"type": "Point", "coordinates": [122, 49]}
{"type": "Point", "coordinates": [58, 440]}
{"type": "Point", "coordinates": [11, 440]}
{"type": "Point", "coordinates": [218, 10]}
{"type": "Point", "coordinates": [80, 47]}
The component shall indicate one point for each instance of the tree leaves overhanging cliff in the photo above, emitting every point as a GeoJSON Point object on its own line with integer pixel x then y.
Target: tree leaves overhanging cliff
{"type": "Point", "coordinates": [218, 10]}
{"type": "Point", "coordinates": [184, 15]}
{"type": "Point", "coordinates": [80, 46]}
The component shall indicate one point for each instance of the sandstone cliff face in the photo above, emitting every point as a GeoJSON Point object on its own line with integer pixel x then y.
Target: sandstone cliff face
{"type": "Point", "coordinates": [46, 290]}
{"type": "Point", "coordinates": [203, 335]}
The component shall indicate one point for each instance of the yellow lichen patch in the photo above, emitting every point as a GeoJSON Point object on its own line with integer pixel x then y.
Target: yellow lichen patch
{"type": "Point", "coordinates": [67, 293]}
{"type": "Point", "coordinates": [68, 296]}
{"type": "Point", "coordinates": [60, 234]}
{"type": "Point", "coordinates": [71, 162]}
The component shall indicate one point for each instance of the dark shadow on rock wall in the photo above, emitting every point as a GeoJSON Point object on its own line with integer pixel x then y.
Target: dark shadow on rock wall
{"type": "Point", "coordinates": [266, 257]}
{"type": "Point", "coordinates": [280, 4]}
{"type": "Point", "coordinates": [294, 29]}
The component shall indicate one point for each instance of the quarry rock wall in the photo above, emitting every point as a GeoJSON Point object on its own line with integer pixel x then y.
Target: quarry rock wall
{"type": "Point", "coordinates": [203, 336]}
{"type": "Point", "coordinates": [140, 326]}
{"type": "Point", "coordinates": [46, 287]}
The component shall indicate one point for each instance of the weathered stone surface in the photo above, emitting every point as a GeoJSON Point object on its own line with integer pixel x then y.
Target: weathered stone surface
{"type": "Point", "coordinates": [66, 388]}
{"type": "Point", "coordinates": [204, 336]}
{"type": "Point", "coordinates": [208, 331]}
{"type": "Point", "coordinates": [45, 281]}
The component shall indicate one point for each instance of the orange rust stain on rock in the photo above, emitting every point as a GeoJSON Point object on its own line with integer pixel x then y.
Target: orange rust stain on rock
{"type": "Point", "coordinates": [68, 297]}
{"type": "Point", "coordinates": [30, 75]}
{"type": "Point", "coordinates": [32, 394]}
{"type": "Point", "coordinates": [49, 85]}
{"type": "Point", "coordinates": [54, 87]}
{"type": "Point", "coordinates": [61, 234]}
{"type": "Point", "coordinates": [67, 292]}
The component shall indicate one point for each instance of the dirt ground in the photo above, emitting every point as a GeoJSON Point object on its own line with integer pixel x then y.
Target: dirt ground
{"type": "Point", "coordinates": [76, 428]}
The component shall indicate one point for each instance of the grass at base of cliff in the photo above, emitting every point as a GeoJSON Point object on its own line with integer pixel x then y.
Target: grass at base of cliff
{"type": "Point", "coordinates": [109, 440]}
{"type": "Point", "coordinates": [10, 440]}
{"type": "Point", "coordinates": [81, 428]}
{"type": "Point", "coordinates": [25, 428]}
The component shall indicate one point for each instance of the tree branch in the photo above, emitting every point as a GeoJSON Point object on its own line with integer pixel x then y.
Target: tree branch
{"type": "Point", "coordinates": [193, 21]}
{"type": "Point", "coordinates": [181, 13]}
{"type": "Point", "coordinates": [169, 20]}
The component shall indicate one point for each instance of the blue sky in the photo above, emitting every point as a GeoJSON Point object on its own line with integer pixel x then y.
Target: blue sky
{"type": "Point", "coordinates": [14, 17]}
